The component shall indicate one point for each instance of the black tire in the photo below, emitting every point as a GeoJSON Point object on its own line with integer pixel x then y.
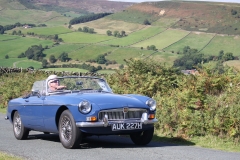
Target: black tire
{"type": "Point", "coordinates": [142, 138]}
{"type": "Point", "coordinates": [20, 132]}
{"type": "Point", "coordinates": [70, 136]}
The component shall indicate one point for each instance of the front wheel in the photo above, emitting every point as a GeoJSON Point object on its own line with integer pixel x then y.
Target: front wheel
{"type": "Point", "coordinates": [70, 136]}
{"type": "Point", "coordinates": [142, 138]}
{"type": "Point", "coordinates": [20, 132]}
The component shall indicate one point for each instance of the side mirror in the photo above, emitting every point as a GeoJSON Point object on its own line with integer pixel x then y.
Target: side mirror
{"type": "Point", "coordinates": [36, 93]}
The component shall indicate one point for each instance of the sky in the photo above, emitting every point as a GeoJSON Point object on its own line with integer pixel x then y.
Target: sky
{"type": "Point", "coordinates": [138, 1]}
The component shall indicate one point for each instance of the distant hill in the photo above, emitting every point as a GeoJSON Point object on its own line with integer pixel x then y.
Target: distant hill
{"type": "Point", "coordinates": [95, 6]}
{"type": "Point", "coordinates": [213, 17]}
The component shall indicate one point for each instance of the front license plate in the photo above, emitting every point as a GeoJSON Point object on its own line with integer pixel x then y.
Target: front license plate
{"type": "Point", "coordinates": [126, 126]}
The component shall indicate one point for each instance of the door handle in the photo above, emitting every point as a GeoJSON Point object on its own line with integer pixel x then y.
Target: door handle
{"type": "Point", "coordinates": [26, 100]}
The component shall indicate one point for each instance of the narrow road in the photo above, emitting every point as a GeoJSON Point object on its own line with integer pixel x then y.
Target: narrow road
{"type": "Point", "coordinates": [48, 147]}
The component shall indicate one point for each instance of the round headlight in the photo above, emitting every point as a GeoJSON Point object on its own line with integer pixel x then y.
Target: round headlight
{"type": "Point", "coordinates": [152, 104]}
{"type": "Point", "coordinates": [84, 107]}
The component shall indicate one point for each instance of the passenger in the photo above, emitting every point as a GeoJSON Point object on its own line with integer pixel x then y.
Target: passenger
{"type": "Point", "coordinates": [53, 83]}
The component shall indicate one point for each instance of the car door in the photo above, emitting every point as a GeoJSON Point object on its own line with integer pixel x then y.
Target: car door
{"type": "Point", "coordinates": [33, 110]}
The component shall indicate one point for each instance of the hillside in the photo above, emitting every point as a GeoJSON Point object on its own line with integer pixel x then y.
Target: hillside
{"type": "Point", "coordinates": [95, 6]}
{"type": "Point", "coordinates": [221, 18]}
{"type": "Point", "coordinates": [169, 33]}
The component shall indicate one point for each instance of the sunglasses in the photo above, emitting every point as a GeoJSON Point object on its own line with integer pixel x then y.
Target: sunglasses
{"type": "Point", "coordinates": [55, 81]}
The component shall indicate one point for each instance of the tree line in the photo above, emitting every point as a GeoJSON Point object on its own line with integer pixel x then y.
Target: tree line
{"type": "Point", "coordinates": [12, 26]}
{"type": "Point", "coordinates": [87, 18]}
{"type": "Point", "coordinates": [191, 59]}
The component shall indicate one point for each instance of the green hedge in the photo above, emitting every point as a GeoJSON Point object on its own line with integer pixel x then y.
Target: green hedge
{"type": "Point", "coordinates": [188, 105]}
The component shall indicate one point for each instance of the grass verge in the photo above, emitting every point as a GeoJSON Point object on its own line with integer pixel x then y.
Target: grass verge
{"type": "Point", "coordinates": [6, 156]}
{"type": "Point", "coordinates": [3, 110]}
{"type": "Point", "coordinates": [209, 141]}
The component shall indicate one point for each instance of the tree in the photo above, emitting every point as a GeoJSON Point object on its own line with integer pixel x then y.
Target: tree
{"type": "Point", "coordinates": [14, 32]}
{"type": "Point", "coordinates": [6, 57]}
{"type": "Point", "coordinates": [220, 55]}
{"type": "Point", "coordinates": [44, 63]}
{"type": "Point", "coordinates": [63, 57]}
{"type": "Point", "coordinates": [22, 55]}
{"type": "Point", "coordinates": [1, 30]}
{"type": "Point", "coordinates": [121, 66]}
{"type": "Point", "coordinates": [115, 33]}
{"type": "Point", "coordinates": [109, 33]}
{"type": "Point", "coordinates": [228, 56]}
{"type": "Point", "coordinates": [123, 33]}
{"type": "Point", "coordinates": [80, 29]}
{"type": "Point", "coordinates": [55, 37]}
{"type": "Point", "coordinates": [190, 59]}
{"type": "Point", "coordinates": [29, 53]}
{"type": "Point", "coordinates": [152, 47]}
{"type": "Point", "coordinates": [19, 32]}
{"type": "Point", "coordinates": [101, 59]}
{"type": "Point", "coordinates": [85, 29]}
{"type": "Point", "coordinates": [146, 22]}
{"type": "Point", "coordinates": [30, 67]}
{"type": "Point", "coordinates": [90, 30]}
{"type": "Point", "coordinates": [99, 68]}
{"type": "Point", "coordinates": [52, 59]}
{"type": "Point", "coordinates": [234, 12]}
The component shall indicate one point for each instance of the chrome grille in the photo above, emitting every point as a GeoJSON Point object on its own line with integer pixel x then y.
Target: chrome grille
{"type": "Point", "coordinates": [118, 114]}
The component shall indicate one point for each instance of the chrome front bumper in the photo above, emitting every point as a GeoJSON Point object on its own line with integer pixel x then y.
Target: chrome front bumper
{"type": "Point", "coordinates": [106, 122]}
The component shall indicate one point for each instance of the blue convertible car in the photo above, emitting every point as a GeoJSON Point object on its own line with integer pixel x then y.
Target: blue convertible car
{"type": "Point", "coordinates": [85, 106]}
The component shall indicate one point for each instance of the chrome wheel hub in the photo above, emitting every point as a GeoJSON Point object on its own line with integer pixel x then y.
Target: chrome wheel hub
{"type": "Point", "coordinates": [17, 125]}
{"type": "Point", "coordinates": [66, 129]}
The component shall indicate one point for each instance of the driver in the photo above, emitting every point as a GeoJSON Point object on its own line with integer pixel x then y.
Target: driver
{"type": "Point", "coordinates": [53, 83]}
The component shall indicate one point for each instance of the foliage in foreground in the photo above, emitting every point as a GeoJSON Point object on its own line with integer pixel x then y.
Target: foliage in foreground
{"type": "Point", "coordinates": [194, 105]}
{"type": "Point", "coordinates": [188, 106]}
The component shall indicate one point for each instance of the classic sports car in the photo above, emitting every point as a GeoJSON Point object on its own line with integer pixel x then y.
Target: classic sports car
{"type": "Point", "coordinates": [85, 106]}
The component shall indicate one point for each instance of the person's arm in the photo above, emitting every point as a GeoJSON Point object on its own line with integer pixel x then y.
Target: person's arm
{"type": "Point", "coordinates": [60, 87]}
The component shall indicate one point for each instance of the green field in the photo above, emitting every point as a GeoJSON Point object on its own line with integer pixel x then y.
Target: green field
{"type": "Point", "coordinates": [164, 58]}
{"type": "Point", "coordinates": [106, 71]}
{"type": "Point", "coordinates": [29, 16]}
{"type": "Point", "coordinates": [83, 46]}
{"type": "Point", "coordinates": [101, 26]}
{"type": "Point", "coordinates": [80, 37]}
{"type": "Point", "coordinates": [28, 63]}
{"type": "Point", "coordinates": [57, 50]}
{"type": "Point", "coordinates": [20, 63]}
{"type": "Point", "coordinates": [225, 43]}
{"type": "Point", "coordinates": [195, 40]}
{"type": "Point", "coordinates": [66, 70]}
{"type": "Point", "coordinates": [10, 62]}
{"type": "Point", "coordinates": [4, 37]}
{"type": "Point", "coordinates": [89, 52]}
{"type": "Point", "coordinates": [126, 53]}
{"type": "Point", "coordinates": [233, 63]}
{"type": "Point", "coordinates": [135, 37]}
{"type": "Point", "coordinates": [165, 22]}
{"type": "Point", "coordinates": [44, 30]}
{"type": "Point", "coordinates": [163, 39]}
{"type": "Point", "coordinates": [15, 47]}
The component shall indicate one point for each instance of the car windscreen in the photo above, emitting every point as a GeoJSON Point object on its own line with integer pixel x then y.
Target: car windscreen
{"type": "Point", "coordinates": [75, 84]}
